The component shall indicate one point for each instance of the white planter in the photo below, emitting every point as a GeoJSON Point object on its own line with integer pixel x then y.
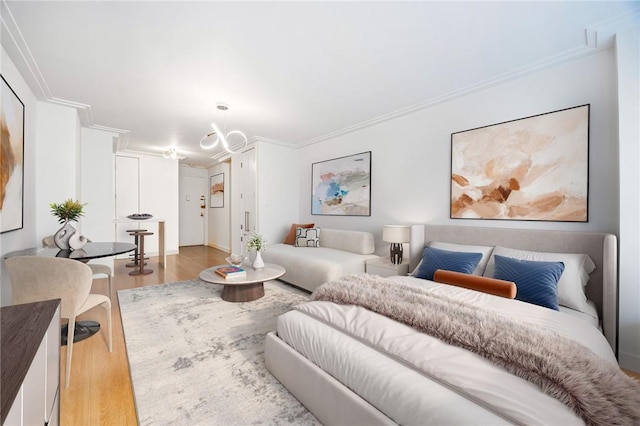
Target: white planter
{"type": "Point", "coordinates": [258, 263]}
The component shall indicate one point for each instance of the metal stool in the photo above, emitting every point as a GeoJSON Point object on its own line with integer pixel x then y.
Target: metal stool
{"type": "Point", "coordinates": [141, 271]}
{"type": "Point", "coordinates": [134, 264]}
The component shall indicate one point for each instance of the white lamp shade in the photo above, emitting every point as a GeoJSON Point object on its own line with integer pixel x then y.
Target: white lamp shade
{"type": "Point", "coordinates": [396, 234]}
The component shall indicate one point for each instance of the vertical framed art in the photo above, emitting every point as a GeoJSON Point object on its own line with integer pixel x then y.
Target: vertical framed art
{"type": "Point", "coordinates": [216, 191]}
{"type": "Point", "coordinates": [342, 186]}
{"type": "Point", "coordinates": [11, 160]}
{"type": "Point", "coordinates": [534, 168]}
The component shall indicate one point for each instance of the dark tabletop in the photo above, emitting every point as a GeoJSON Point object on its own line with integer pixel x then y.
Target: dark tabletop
{"type": "Point", "coordinates": [88, 252]}
{"type": "Point", "coordinates": [23, 328]}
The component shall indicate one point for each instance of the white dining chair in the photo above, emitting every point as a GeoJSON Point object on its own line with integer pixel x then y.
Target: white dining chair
{"type": "Point", "coordinates": [96, 268]}
{"type": "Point", "coordinates": [36, 278]}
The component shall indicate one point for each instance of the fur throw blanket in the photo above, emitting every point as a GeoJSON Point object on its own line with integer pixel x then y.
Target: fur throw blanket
{"type": "Point", "coordinates": [598, 392]}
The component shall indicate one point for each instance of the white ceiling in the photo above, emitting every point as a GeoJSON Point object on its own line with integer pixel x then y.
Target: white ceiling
{"type": "Point", "coordinates": [294, 72]}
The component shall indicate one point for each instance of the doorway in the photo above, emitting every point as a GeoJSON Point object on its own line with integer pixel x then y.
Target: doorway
{"type": "Point", "coordinates": [192, 207]}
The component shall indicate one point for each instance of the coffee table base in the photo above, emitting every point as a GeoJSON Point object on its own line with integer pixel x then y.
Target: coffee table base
{"type": "Point", "coordinates": [242, 293]}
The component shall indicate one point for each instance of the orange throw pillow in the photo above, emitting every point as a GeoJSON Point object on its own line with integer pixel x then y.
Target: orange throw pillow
{"type": "Point", "coordinates": [493, 286]}
{"type": "Point", "coordinates": [291, 236]}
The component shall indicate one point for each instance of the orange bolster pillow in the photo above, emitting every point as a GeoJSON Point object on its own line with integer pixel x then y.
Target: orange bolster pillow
{"type": "Point", "coordinates": [475, 282]}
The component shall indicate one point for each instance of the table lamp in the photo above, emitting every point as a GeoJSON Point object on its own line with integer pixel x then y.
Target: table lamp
{"type": "Point", "coordinates": [396, 235]}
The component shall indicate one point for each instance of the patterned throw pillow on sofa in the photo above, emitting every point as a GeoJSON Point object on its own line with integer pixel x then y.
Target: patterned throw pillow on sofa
{"type": "Point", "coordinates": [291, 235]}
{"type": "Point", "coordinates": [307, 237]}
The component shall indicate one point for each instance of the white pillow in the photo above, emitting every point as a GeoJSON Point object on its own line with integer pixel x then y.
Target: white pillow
{"type": "Point", "coordinates": [577, 268]}
{"type": "Point", "coordinates": [464, 248]}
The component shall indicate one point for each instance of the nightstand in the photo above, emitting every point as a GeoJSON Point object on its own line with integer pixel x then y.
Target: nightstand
{"type": "Point", "coordinates": [382, 266]}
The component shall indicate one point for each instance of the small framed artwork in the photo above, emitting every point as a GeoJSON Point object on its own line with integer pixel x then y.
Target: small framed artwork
{"type": "Point", "coordinates": [216, 191]}
{"type": "Point", "coordinates": [11, 160]}
{"type": "Point", "coordinates": [534, 168]}
{"type": "Point", "coordinates": [342, 186]}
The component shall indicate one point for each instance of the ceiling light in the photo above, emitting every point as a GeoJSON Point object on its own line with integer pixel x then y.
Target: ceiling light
{"type": "Point", "coordinates": [210, 140]}
{"type": "Point", "coordinates": [170, 153]}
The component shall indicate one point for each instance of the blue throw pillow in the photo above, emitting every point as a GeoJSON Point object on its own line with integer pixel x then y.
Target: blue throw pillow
{"type": "Point", "coordinates": [457, 261]}
{"type": "Point", "coordinates": [536, 282]}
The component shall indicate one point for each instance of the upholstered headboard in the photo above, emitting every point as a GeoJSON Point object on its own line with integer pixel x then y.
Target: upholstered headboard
{"type": "Point", "coordinates": [602, 248]}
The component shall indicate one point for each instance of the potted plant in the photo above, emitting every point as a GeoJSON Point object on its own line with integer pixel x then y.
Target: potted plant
{"type": "Point", "coordinates": [256, 243]}
{"type": "Point", "coordinates": [68, 211]}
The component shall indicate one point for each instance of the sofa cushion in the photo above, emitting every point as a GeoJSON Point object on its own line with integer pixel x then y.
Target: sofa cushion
{"type": "Point", "coordinates": [309, 268]}
{"type": "Point", "coordinates": [291, 236]}
{"type": "Point", "coordinates": [352, 241]}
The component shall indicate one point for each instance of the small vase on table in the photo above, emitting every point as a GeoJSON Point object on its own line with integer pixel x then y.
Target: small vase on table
{"type": "Point", "coordinates": [258, 263]}
{"type": "Point", "coordinates": [62, 236]}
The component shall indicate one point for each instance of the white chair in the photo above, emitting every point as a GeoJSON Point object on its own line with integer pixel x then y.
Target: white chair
{"type": "Point", "coordinates": [35, 279]}
{"type": "Point", "coordinates": [96, 268]}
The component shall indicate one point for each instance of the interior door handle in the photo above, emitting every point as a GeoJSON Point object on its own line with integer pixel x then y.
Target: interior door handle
{"type": "Point", "coordinates": [246, 221]}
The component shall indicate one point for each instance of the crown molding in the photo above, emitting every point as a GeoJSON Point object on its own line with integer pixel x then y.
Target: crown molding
{"type": "Point", "coordinates": [275, 142]}
{"type": "Point", "coordinates": [121, 143]}
{"type": "Point", "coordinates": [603, 34]}
{"type": "Point", "coordinates": [597, 38]}
{"type": "Point", "coordinates": [566, 56]}
{"type": "Point", "coordinates": [216, 158]}
{"type": "Point", "coordinates": [18, 44]}
{"type": "Point", "coordinates": [33, 76]}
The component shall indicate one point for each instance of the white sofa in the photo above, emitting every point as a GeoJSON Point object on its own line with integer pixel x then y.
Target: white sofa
{"type": "Point", "coordinates": [341, 252]}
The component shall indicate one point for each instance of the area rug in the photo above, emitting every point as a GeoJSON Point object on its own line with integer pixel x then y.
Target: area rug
{"type": "Point", "coordinates": [196, 359]}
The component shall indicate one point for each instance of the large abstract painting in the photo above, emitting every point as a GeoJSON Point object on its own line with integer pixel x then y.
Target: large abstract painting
{"type": "Point", "coordinates": [11, 160]}
{"type": "Point", "coordinates": [534, 168]}
{"type": "Point", "coordinates": [216, 190]}
{"type": "Point", "coordinates": [342, 186]}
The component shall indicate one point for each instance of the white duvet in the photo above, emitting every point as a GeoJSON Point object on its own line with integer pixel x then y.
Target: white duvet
{"type": "Point", "coordinates": [414, 378]}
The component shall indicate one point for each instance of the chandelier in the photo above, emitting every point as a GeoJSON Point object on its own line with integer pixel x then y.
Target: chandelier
{"type": "Point", "coordinates": [210, 140]}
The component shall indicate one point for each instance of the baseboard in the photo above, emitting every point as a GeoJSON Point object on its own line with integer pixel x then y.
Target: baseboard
{"type": "Point", "coordinates": [219, 247]}
{"type": "Point", "coordinates": [156, 253]}
{"type": "Point", "coordinates": [629, 361]}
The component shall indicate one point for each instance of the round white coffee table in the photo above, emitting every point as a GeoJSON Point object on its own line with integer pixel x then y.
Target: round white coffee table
{"type": "Point", "coordinates": [247, 288]}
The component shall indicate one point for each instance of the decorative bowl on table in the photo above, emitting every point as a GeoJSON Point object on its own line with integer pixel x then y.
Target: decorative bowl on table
{"type": "Point", "coordinates": [235, 259]}
{"type": "Point", "coordinates": [140, 216]}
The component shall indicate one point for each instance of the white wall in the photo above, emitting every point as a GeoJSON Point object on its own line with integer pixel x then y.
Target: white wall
{"type": "Point", "coordinates": [628, 68]}
{"type": "Point", "coordinates": [51, 158]}
{"type": "Point", "coordinates": [25, 237]}
{"type": "Point", "coordinates": [57, 158]}
{"type": "Point", "coordinates": [278, 189]}
{"type": "Point", "coordinates": [411, 154]}
{"type": "Point", "coordinates": [218, 220]}
{"type": "Point", "coordinates": [96, 181]}
{"type": "Point", "coordinates": [96, 184]}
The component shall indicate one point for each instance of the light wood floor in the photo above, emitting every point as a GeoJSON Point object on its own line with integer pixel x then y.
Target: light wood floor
{"type": "Point", "coordinates": [100, 392]}
{"type": "Point", "coordinates": [100, 389]}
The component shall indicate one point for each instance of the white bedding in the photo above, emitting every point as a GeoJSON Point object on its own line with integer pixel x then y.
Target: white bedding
{"type": "Point", "coordinates": [591, 318]}
{"type": "Point", "coordinates": [414, 378]}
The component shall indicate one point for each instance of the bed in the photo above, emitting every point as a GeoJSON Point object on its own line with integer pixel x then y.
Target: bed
{"type": "Point", "coordinates": [349, 365]}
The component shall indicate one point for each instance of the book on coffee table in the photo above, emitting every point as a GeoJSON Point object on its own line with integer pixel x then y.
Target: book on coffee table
{"type": "Point", "coordinates": [231, 272]}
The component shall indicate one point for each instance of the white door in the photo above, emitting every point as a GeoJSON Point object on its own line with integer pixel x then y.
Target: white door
{"type": "Point", "coordinates": [192, 209]}
{"type": "Point", "coordinates": [127, 195]}
{"type": "Point", "coordinates": [248, 197]}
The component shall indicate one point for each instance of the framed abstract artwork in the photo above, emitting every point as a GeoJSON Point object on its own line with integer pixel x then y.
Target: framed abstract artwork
{"type": "Point", "coordinates": [216, 191]}
{"type": "Point", "coordinates": [11, 160]}
{"type": "Point", "coordinates": [533, 168]}
{"type": "Point", "coordinates": [342, 186]}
